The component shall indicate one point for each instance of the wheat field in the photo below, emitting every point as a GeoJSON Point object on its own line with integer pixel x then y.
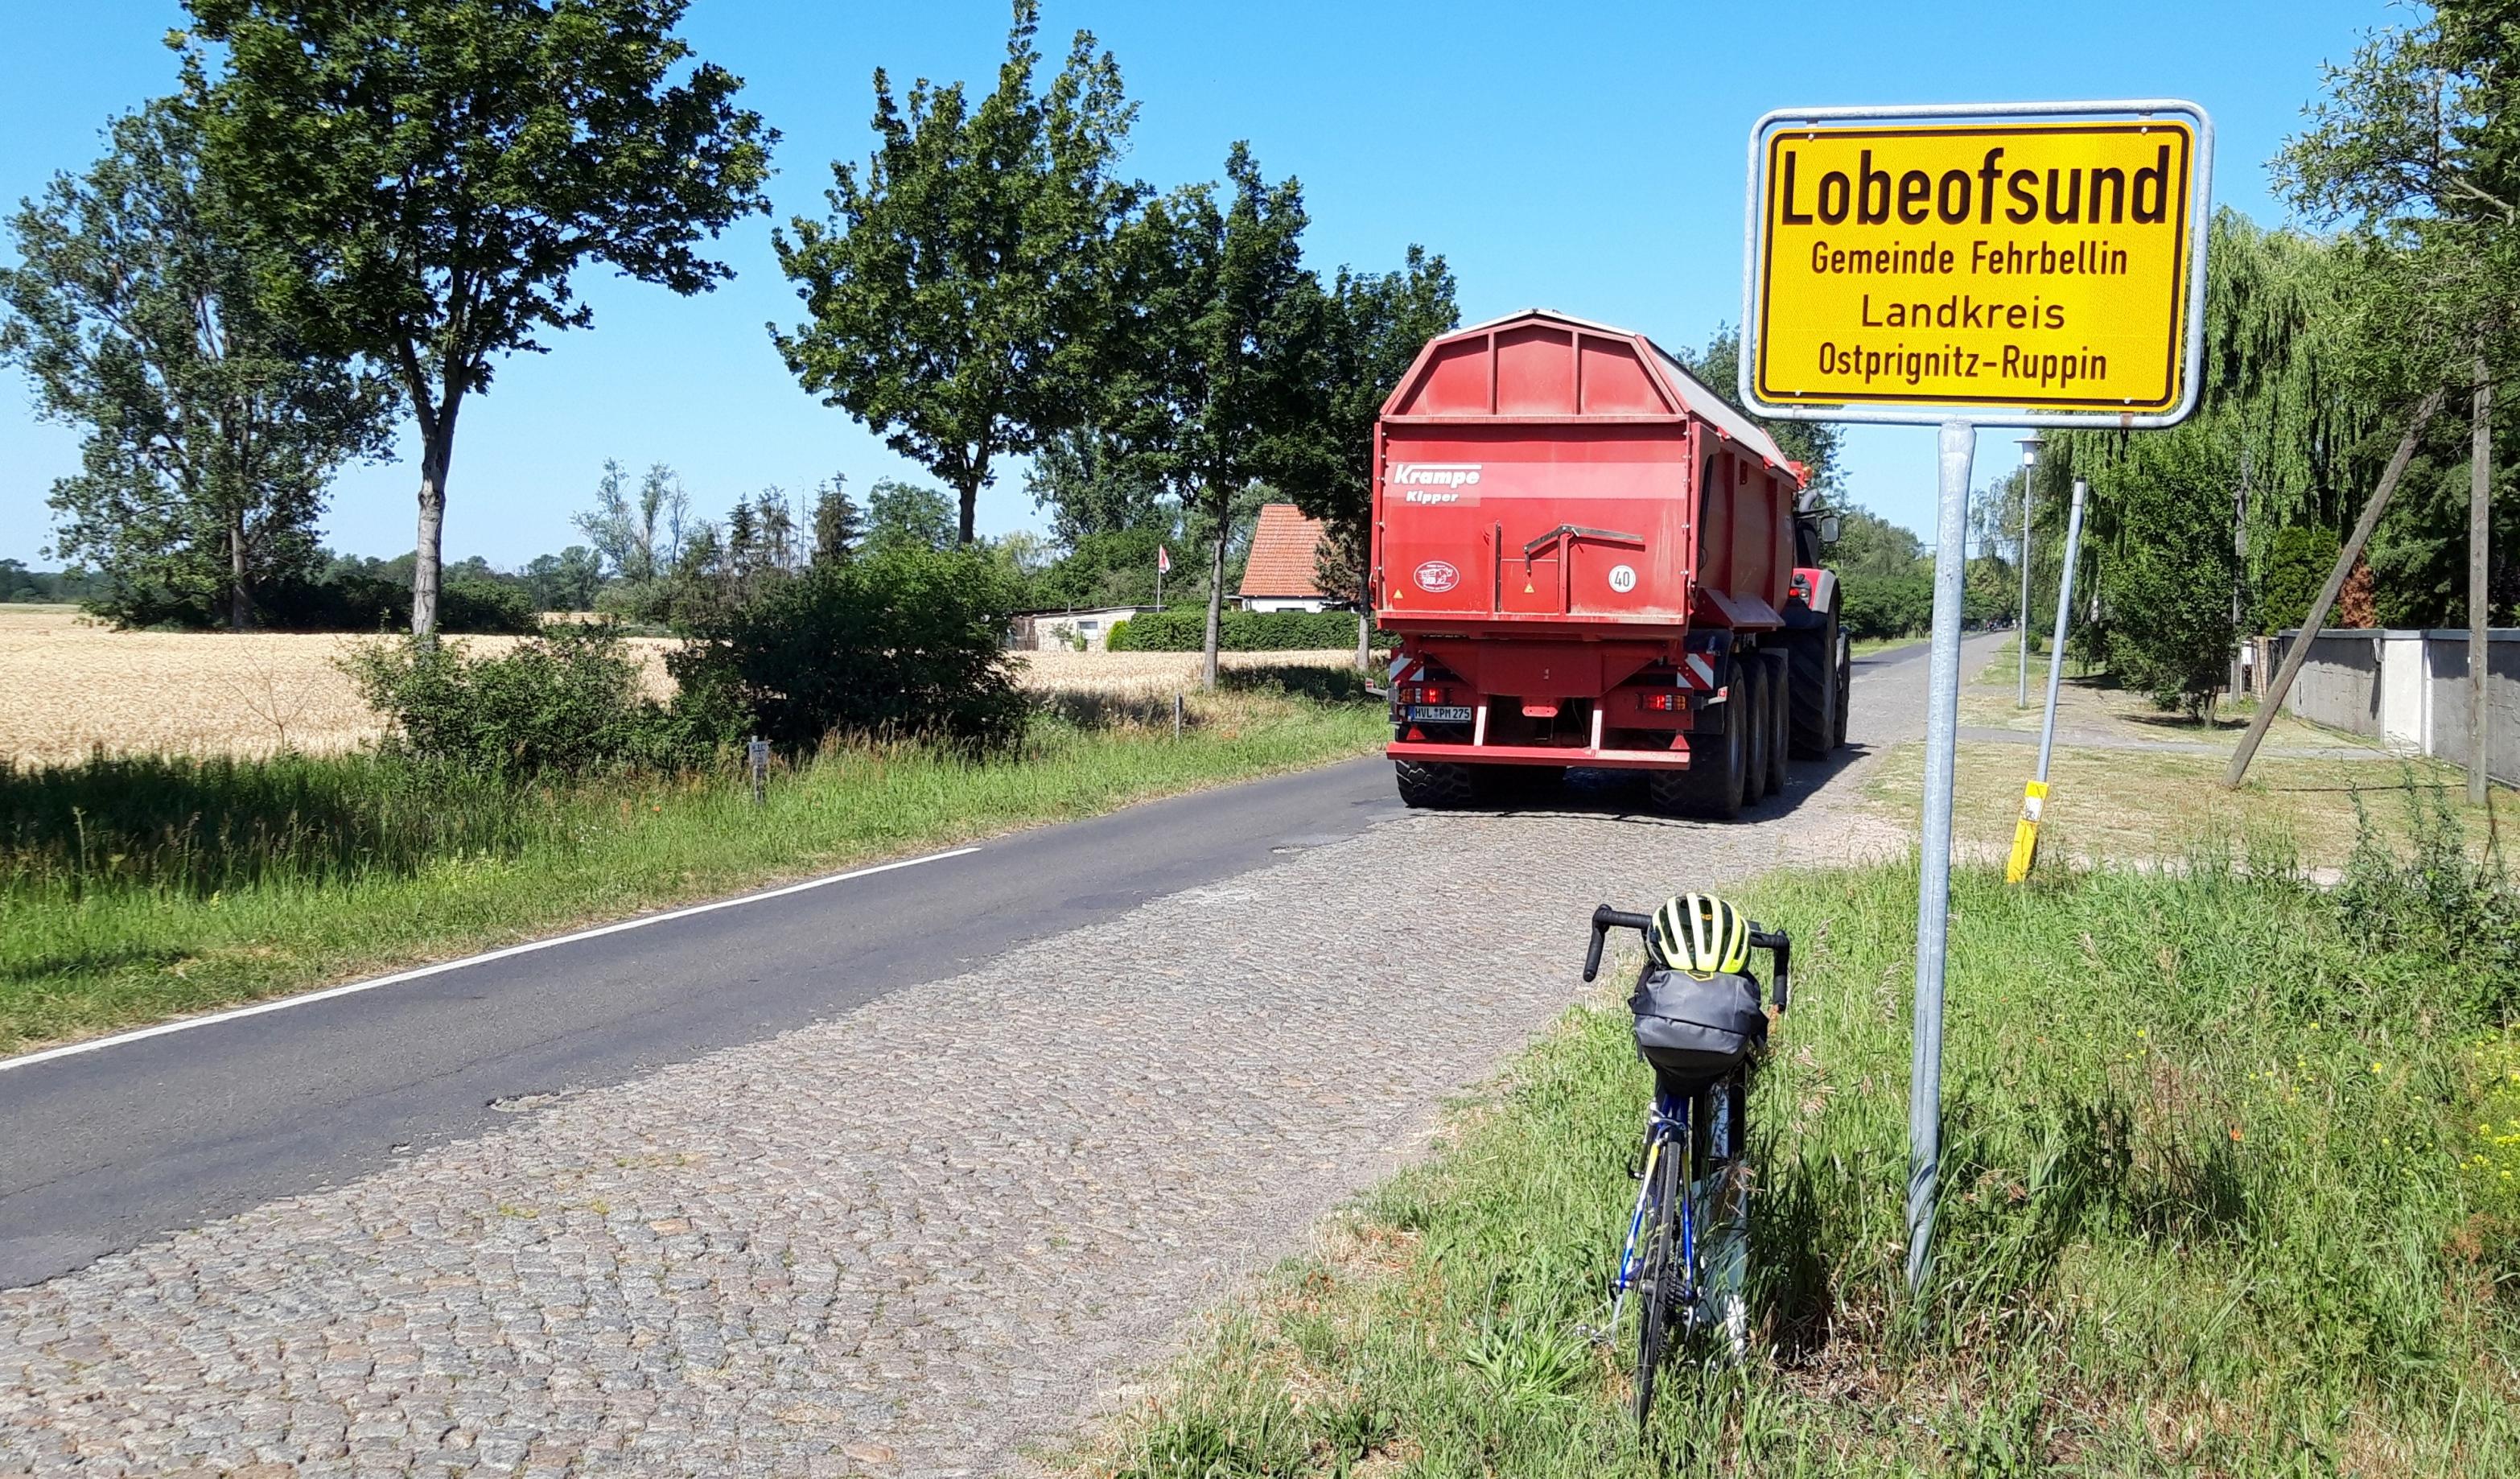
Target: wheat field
{"type": "Point", "coordinates": [70, 685]}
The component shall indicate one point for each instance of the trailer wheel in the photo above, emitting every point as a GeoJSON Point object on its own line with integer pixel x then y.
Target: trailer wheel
{"type": "Point", "coordinates": [1751, 692]}
{"type": "Point", "coordinates": [1711, 786]}
{"type": "Point", "coordinates": [1433, 784]}
{"type": "Point", "coordinates": [1781, 718]}
{"type": "Point", "coordinates": [1819, 690]}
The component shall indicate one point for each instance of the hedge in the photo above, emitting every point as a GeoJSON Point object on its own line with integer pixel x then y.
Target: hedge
{"type": "Point", "coordinates": [1185, 631]}
{"type": "Point", "coordinates": [1886, 605]}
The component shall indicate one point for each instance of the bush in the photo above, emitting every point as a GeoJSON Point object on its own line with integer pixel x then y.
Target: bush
{"type": "Point", "coordinates": [354, 600]}
{"type": "Point", "coordinates": [901, 641]}
{"type": "Point", "coordinates": [2297, 564]}
{"type": "Point", "coordinates": [1886, 605]}
{"type": "Point", "coordinates": [570, 702]}
{"type": "Point", "coordinates": [1185, 630]}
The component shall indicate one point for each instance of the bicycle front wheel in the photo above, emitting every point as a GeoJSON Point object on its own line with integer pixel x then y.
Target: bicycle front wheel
{"type": "Point", "coordinates": [1663, 1272]}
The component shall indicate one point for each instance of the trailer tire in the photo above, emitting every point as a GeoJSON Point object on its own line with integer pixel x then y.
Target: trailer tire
{"type": "Point", "coordinates": [1434, 784]}
{"type": "Point", "coordinates": [1711, 786]}
{"type": "Point", "coordinates": [1818, 690]}
{"type": "Point", "coordinates": [1781, 718]}
{"type": "Point", "coordinates": [1751, 692]}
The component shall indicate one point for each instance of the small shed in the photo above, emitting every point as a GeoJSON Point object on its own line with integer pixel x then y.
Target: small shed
{"type": "Point", "coordinates": [1053, 631]}
{"type": "Point", "coordinates": [1279, 576]}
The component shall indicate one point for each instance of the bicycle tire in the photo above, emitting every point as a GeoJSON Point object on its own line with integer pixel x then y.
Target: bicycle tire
{"type": "Point", "coordinates": [1658, 1279]}
{"type": "Point", "coordinates": [1720, 1208]}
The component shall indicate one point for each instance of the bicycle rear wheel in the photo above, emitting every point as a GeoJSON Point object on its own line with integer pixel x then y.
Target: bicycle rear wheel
{"type": "Point", "coordinates": [1662, 1272]}
{"type": "Point", "coordinates": [1721, 1207]}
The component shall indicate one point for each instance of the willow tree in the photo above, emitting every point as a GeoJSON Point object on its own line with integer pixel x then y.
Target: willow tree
{"type": "Point", "coordinates": [2285, 415]}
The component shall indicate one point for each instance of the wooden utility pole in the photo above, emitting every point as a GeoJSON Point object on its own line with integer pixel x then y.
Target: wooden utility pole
{"type": "Point", "coordinates": [2319, 609]}
{"type": "Point", "coordinates": [2239, 570]}
{"type": "Point", "coordinates": [2480, 496]}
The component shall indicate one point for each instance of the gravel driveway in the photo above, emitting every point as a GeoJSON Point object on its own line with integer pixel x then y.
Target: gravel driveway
{"type": "Point", "coordinates": [909, 1240]}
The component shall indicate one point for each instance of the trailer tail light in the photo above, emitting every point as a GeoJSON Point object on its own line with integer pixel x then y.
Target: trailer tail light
{"type": "Point", "coordinates": [1661, 702]}
{"type": "Point", "coordinates": [1425, 693]}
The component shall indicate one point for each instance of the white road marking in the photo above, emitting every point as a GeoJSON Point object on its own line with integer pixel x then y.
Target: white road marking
{"type": "Point", "coordinates": [303, 999]}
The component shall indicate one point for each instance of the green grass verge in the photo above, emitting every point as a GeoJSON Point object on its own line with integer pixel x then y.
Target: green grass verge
{"type": "Point", "coordinates": [2227, 1192]}
{"type": "Point", "coordinates": [133, 891]}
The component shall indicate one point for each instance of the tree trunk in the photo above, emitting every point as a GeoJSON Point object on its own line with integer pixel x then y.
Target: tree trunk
{"type": "Point", "coordinates": [435, 450]}
{"type": "Point", "coordinates": [971, 507]}
{"type": "Point", "coordinates": [2480, 499]}
{"type": "Point", "coordinates": [1365, 623]}
{"type": "Point", "coordinates": [239, 583]}
{"type": "Point", "coordinates": [1215, 601]}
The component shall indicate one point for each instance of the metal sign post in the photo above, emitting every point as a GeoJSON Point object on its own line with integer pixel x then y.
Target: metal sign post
{"type": "Point", "coordinates": [1934, 890]}
{"type": "Point", "coordinates": [2032, 264]}
{"type": "Point", "coordinates": [756, 754]}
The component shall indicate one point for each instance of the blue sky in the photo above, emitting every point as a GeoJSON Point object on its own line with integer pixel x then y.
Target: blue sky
{"type": "Point", "coordinates": [1586, 157]}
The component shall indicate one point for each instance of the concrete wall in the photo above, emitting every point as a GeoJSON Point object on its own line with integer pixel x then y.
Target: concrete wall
{"type": "Point", "coordinates": [2339, 683]}
{"type": "Point", "coordinates": [2448, 703]}
{"type": "Point", "coordinates": [2409, 691]}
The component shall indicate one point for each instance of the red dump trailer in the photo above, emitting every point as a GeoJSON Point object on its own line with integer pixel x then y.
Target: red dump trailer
{"type": "Point", "coordinates": [1590, 560]}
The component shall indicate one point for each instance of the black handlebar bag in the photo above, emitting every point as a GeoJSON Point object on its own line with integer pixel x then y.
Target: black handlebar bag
{"type": "Point", "coordinates": [1695, 1030]}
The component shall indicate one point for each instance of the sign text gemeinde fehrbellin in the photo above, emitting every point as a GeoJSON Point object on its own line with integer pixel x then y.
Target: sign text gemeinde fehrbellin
{"type": "Point", "coordinates": [2034, 265]}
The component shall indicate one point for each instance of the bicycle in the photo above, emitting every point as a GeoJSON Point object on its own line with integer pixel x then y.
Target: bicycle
{"type": "Point", "coordinates": [1688, 1239]}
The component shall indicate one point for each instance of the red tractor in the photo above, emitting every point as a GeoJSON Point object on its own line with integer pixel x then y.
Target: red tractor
{"type": "Point", "coordinates": [1590, 560]}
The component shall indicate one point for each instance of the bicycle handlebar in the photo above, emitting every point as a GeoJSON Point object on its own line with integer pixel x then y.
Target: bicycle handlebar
{"type": "Point", "coordinates": [1774, 941]}
{"type": "Point", "coordinates": [1604, 920]}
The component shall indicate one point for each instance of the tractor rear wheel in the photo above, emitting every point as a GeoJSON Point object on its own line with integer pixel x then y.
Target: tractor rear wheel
{"type": "Point", "coordinates": [1711, 786]}
{"type": "Point", "coordinates": [1819, 690]}
{"type": "Point", "coordinates": [1433, 784]}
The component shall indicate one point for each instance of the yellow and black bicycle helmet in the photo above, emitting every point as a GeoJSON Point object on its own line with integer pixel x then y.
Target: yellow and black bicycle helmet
{"type": "Point", "coordinates": [1699, 933]}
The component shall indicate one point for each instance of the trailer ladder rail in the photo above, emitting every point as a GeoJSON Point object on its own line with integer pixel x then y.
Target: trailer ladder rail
{"type": "Point", "coordinates": [1531, 550]}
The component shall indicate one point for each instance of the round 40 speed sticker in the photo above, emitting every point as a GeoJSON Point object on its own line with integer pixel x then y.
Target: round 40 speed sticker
{"type": "Point", "coordinates": [1623, 579]}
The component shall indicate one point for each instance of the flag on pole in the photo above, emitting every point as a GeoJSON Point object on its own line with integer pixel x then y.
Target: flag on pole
{"type": "Point", "coordinates": [1163, 560]}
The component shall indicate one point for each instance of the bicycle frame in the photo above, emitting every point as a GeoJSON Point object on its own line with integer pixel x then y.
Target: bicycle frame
{"type": "Point", "coordinates": [1668, 1131]}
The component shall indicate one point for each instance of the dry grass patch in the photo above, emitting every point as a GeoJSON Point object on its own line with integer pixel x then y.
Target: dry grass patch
{"type": "Point", "coordinates": [1160, 673]}
{"type": "Point", "coordinates": [70, 684]}
{"type": "Point", "coordinates": [2135, 805]}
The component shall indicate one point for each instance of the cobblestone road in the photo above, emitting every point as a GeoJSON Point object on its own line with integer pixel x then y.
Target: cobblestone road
{"type": "Point", "coordinates": [907, 1242]}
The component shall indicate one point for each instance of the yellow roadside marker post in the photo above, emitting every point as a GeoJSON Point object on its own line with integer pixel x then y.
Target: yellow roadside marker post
{"type": "Point", "coordinates": [2034, 796]}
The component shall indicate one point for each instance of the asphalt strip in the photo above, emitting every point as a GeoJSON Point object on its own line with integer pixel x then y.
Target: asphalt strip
{"type": "Point", "coordinates": [353, 988]}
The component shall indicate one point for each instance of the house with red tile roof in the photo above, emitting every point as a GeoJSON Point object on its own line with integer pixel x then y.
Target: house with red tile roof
{"type": "Point", "coordinates": [1279, 575]}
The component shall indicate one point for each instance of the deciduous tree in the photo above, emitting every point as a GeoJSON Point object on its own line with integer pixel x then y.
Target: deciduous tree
{"type": "Point", "coordinates": [432, 173]}
{"type": "Point", "coordinates": [1226, 389]}
{"type": "Point", "coordinates": [1373, 325]}
{"type": "Point", "coordinates": [906, 516]}
{"type": "Point", "coordinates": [137, 311]}
{"type": "Point", "coordinates": [955, 293]}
